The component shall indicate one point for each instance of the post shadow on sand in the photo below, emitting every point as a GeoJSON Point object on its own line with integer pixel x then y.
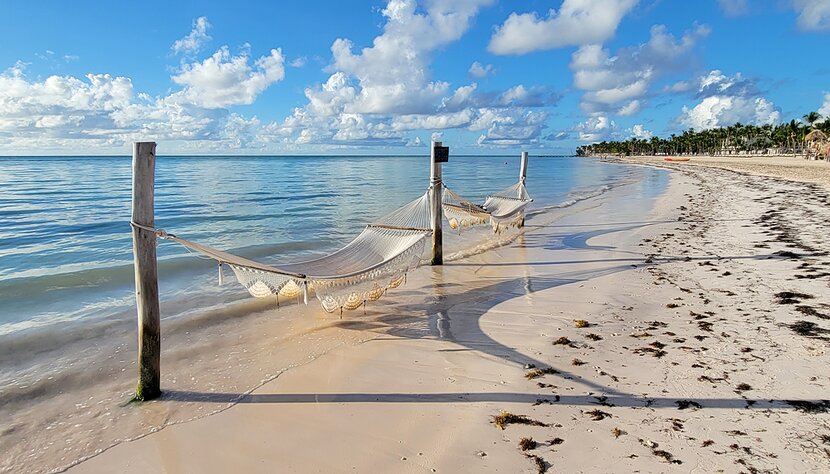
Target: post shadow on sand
{"type": "Point", "coordinates": [627, 401]}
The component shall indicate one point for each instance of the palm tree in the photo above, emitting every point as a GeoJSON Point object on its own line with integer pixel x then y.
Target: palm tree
{"type": "Point", "coordinates": [812, 118]}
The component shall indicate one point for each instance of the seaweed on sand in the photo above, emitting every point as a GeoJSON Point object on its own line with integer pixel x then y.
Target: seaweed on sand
{"type": "Point", "coordinates": [506, 418]}
{"type": "Point", "coordinates": [535, 373]}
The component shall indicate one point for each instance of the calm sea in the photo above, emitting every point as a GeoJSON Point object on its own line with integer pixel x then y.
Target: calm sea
{"type": "Point", "coordinates": [65, 244]}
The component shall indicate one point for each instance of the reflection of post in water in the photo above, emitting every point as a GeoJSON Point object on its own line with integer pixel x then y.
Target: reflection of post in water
{"type": "Point", "coordinates": [522, 252]}
{"type": "Point", "coordinates": [443, 324]}
{"type": "Point", "coordinates": [442, 318]}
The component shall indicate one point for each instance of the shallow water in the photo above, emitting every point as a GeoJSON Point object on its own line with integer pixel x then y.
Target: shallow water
{"type": "Point", "coordinates": [65, 245]}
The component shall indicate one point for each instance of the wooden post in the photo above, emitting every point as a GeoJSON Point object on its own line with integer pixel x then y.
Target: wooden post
{"type": "Point", "coordinates": [523, 168]}
{"type": "Point", "coordinates": [146, 278]}
{"type": "Point", "coordinates": [438, 155]}
{"type": "Point", "coordinates": [522, 179]}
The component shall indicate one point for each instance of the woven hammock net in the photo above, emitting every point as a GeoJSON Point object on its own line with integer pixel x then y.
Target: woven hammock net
{"type": "Point", "coordinates": [376, 260]}
{"type": "Point", "coordinates": [503, 209]}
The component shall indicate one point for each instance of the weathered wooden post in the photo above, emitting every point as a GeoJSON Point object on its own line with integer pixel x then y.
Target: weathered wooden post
{"type": "Point", "coordinates": [523, 170]}
{"type": "Point", "coordinates": [522, 179]}
{"type": "Point", "coordinates": [146, 278]}
{"type": "Point", "coordinates": [439, 154]}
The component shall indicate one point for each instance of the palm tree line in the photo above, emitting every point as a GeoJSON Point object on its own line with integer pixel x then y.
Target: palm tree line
{"type": "Point", "coordinates": [781, 139]}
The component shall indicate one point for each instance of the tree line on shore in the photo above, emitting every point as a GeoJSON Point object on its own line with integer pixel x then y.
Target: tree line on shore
{"type": "Point", "coordinates": [784, 138]}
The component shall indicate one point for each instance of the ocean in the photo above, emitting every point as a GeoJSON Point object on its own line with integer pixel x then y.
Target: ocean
{"type": "Point", "coordinates": [65, 242]}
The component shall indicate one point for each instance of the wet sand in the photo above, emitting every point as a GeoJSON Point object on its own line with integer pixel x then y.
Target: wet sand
{"type": "Point", "coordinates": [686, 333]}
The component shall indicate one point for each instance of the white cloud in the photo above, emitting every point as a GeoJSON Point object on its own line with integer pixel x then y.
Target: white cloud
{"type": "Point", "coordinates": [596, 128]}
{"type": "Point", "coordinates": [734, 7]}
{"type": "Point", "coordinates": [813, 15]}
{"type": "Point", "coordinates": [298, 62]}
{"type": "Point", "coordinates": [727, 100]}
{"type": "Point", "coordinates": [630, 109]}
{"type": "Point", "coordinates": [433, 121]}
{"type": "Point", "coordinates": [626, 77]}
{"type": "Point", "coordinates": [479, 71]}
{"type": "Point", "coordinates": [379, 93]}
{"type": "Point", "coordinates": [578, 22]}
{"type": "Point", "coordinates": [194, 41]}
{"type": "Point", "coordinates": [638, 131]}
{"type": "Point", "coordinates": [222, 80]}
{"type": "Point", "coordinates": [103, 112]}
{"type": "Point", "coordinates": [825, 107]}
{"type": "Point", "coordinates": [508, 127]}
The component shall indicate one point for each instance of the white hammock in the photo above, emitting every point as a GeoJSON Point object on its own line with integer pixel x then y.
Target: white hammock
{"type": "Point", "coordinates": [376, 260]}
{"type": "Point", "coordinates": [502, 209]}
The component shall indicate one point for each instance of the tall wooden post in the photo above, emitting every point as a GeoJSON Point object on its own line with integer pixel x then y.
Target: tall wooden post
{"type": "Point", "coordinates": [146, 278]}
{"type": "Point", "coordinates": [523, 168]}
{"type": "Point", "coordinates": [522, 179]}
{"type": "Point", "coordinates": [438, 154]}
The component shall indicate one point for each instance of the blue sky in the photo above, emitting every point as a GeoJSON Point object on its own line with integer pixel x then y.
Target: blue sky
{"type": "Point", "coordinates": [380, 77]}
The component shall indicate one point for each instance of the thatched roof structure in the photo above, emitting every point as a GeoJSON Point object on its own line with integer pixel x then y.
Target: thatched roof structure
{"type": "Point", "coordinates": [816, 136]}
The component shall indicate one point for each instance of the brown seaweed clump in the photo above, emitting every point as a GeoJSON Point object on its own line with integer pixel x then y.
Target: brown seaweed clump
{"type": "Point", "coordinates": [578, 362]}
{"type": "Point", "coordinates": [526, 444]}
{"type": "Point", "coordinates": [536, 373]}
{"type": "Point", "coordinates": [562, 341]}
{"type": "Point", "coordinates": [598, 415]}
{"type": "Point", "coordinates": [506, 418]}
{"type": "Point", "coordinates": [594, 337]}
{"type": "Point", "coordinates": [581, 323]}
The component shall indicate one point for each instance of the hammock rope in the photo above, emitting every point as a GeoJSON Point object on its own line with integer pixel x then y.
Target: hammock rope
{"type": "Point", "coordinates": [378, 259]}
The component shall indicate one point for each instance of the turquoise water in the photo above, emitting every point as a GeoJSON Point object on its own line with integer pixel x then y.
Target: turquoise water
{"type": "Point", "coordinates": [65, 244]}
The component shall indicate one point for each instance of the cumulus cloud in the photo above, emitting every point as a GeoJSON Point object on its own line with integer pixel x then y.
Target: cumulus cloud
{"type": "Point", "coordinates": [734, 7]}
{"type": "Point", "coordinates": [194, 41]}
{"type": "Point", "coordinates": [577, 22]}
{"type": "Point", "coordinates": [60, 108]}
{"type": "Point", "coordinates": [617, 84]}
{"type": "Point", "coordinates": [597, 128]}
{"type": "Point", "coordinates": [479, 71]}
{"type": "Point", "coordinates": [376, 94]}
{"type": "Point", "coordinates": [825, 107]}
{"type": "Point", "coordinates": [102, 111]}
{"type": "Point", "coordinates": [223, 80]}
{"type": "Point", "coordinates": [727, 100]}
{"type": "Point", "coordinates": [638, 131]}
{"type": "Point", "coordinates": [813, 15]}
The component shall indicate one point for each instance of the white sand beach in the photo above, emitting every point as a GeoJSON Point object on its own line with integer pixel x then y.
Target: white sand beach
{"type": "Point", "coordinates": [704, 350]}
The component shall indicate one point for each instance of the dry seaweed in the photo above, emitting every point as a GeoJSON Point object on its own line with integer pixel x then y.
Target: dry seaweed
{"type": "Point", "coordinates": [581, 323]}
{"type": "Point", "coordinates": [684, 404]}
{"type": "Point", "coordinates": [791, 297]}
{"type": "Point", "coordinates": [650, 350]}
{"type": "Point", "coordinates": [526, 444]}
{"type": "Point", "coordinates": [594, 337]}
{"type": "Point", "coordinates": [578, 362]}
{"type": "Point", "coordinates": [506, 418]}
{"type": "Point", "coordinates": [535, 373]}
{"type": "Point", "coordinates": [598, 415]}
{"type": "Point", "coordinates": [541, 465]}
{"type": "Point", "coordinates": [562, 341]}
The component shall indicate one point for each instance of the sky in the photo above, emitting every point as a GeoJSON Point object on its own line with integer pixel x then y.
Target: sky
{"type": "Point", "coordinates": [388, 76]}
